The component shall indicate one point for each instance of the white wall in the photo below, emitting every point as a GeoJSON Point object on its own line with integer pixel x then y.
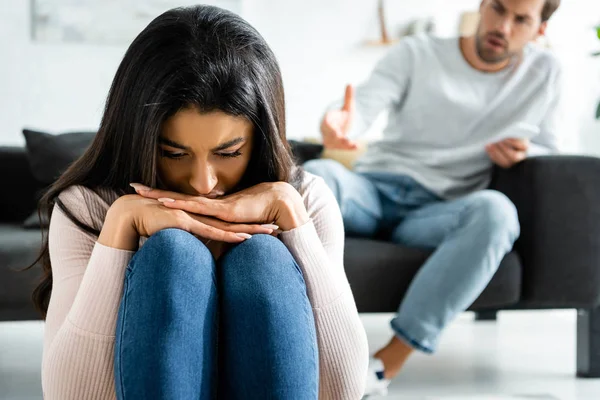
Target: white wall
{"type": "Point", "coordinates": [52, 87]}
{"type": "Point", "coordinates": [319, 45]}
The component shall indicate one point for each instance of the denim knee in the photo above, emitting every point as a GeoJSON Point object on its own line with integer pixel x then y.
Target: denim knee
{"type": "Point", "coordinates": [261, 254]}
{"type": "Point", "coordinates": [174, 252]}
{"type": "Point", "coordinates": [260, 266]}
{"type": "Point", "coordinates": [495, 216]}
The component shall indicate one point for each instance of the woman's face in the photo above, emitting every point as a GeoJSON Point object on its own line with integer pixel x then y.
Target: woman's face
{"type": "Point", "coordinates": [204, 154]}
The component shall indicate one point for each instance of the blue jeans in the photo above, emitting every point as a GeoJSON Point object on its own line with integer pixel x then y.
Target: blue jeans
{"type": "Point", "coordinates": [470, 236]}
{"type": "Point", "coordinates": [189, 327]}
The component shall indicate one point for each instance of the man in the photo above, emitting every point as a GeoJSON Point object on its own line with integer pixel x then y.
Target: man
{"type": "Point", "coordinates": [456, 107]}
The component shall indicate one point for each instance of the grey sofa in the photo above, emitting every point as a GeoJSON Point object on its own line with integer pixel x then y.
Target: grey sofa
{"type": "Point", "coordinates": [555, 263]}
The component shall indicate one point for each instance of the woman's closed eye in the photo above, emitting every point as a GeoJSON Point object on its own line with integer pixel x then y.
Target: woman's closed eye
{"type": "Point", "coordinates": [233, 154]}
{"type": "Point", "coordinates": [179, 155]}
{"type": "Point", "coordinates": [171, 154]}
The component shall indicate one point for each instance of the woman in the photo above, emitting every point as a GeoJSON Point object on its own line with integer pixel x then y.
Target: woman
{"type": "Point", "coordinates": [184, 289]}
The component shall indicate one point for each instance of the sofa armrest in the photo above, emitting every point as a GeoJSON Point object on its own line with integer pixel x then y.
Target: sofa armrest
{"type": "Point", "coordinates": [558, 201]}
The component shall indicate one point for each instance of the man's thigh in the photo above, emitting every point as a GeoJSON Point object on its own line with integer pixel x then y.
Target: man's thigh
{"type": "Point", "coordinates": [356, 195]}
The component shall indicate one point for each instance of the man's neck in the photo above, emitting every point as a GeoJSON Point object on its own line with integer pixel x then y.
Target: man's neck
{"type": "Point", "coordinates": [468, 49]}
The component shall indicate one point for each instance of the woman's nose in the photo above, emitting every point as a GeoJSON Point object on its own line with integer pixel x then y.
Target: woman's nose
{"type": "Point", "coordinates": [204, 180]}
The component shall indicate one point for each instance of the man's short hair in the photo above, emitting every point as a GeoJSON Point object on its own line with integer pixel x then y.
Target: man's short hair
{"type": "Point", "coordinates": [550, 6]}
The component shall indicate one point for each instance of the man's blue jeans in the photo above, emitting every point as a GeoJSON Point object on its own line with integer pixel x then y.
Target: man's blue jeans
{"type": "Point", "coordinates": [470, 236]}
{"type": "Point", "coordinates": [190, 327]}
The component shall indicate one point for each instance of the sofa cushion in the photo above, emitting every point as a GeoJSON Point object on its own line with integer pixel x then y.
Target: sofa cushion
{"type": "Point", "coordinates": [50, 155]}
{"type": "Point", "coordinates": [19, 247]}
{"type": "Point", "coordinates": [380, 274]}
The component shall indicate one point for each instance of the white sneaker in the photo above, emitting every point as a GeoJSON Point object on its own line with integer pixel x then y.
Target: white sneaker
{"type": "Point", "coordinates": [377, 385]}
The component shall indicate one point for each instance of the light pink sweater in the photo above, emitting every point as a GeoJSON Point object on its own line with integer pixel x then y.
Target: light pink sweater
{"type": "Point", "coordinates": [88, 281]}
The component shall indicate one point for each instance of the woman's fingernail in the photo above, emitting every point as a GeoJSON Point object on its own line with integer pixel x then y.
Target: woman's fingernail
{"type": "Point", "coordinates": [243, 235]}
{"type": "Point", "coordinates": [166, 200]}
{"type": "Point", "coordinates": [140, 187]}
{"type": "Point", "coordinates": [270, 226]}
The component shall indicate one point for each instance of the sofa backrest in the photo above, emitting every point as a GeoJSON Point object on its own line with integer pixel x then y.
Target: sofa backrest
{"type": "Point", "coordinates": [20, 189]}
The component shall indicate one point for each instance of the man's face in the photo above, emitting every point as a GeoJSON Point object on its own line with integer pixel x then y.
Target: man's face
{"type": "Point", "coordinates": [506, 26]}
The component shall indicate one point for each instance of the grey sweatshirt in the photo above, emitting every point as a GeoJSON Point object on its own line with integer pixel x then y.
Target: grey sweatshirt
{"type": "Point", "coordinates": [442, 113]}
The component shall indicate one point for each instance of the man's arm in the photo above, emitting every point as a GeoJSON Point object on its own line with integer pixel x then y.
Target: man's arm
{"type": "Point", "coordinates": [385, 86]}
{"type": "Point", "coordinates": [514, 150]}
{"type": "Point", "coordinates": [547, 142]}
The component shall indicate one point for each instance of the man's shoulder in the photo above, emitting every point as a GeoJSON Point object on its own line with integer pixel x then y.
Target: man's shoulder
{"type": "Point", "coordinates": [542, 61]}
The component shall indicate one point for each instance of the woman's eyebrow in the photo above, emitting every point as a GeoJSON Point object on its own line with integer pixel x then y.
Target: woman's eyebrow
{"type": "Point", "coordinates": [171, 143]}
{"type": "Point", "coordinates": [229, 144]}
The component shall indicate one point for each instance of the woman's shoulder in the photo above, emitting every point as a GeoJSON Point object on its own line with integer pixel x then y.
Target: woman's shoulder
{"type": "Point", "coordinates": [87, 205]}
{"type": "Point", "coordinates": [78, 195]}
{"type": "Point", "coordinates": [310, 183]}
{"type": "Point", "coordinates": [315, 192]}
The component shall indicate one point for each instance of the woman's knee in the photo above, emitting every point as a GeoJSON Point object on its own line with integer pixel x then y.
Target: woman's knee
{"type": "Point", "coordinates": [175, 252]}
{"type": "Point", "coordinates": [171, 285]}
{"type": "Point", "coordinates": [260, 251]}
{"type": "Point", "coordinates": [262, 263]}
